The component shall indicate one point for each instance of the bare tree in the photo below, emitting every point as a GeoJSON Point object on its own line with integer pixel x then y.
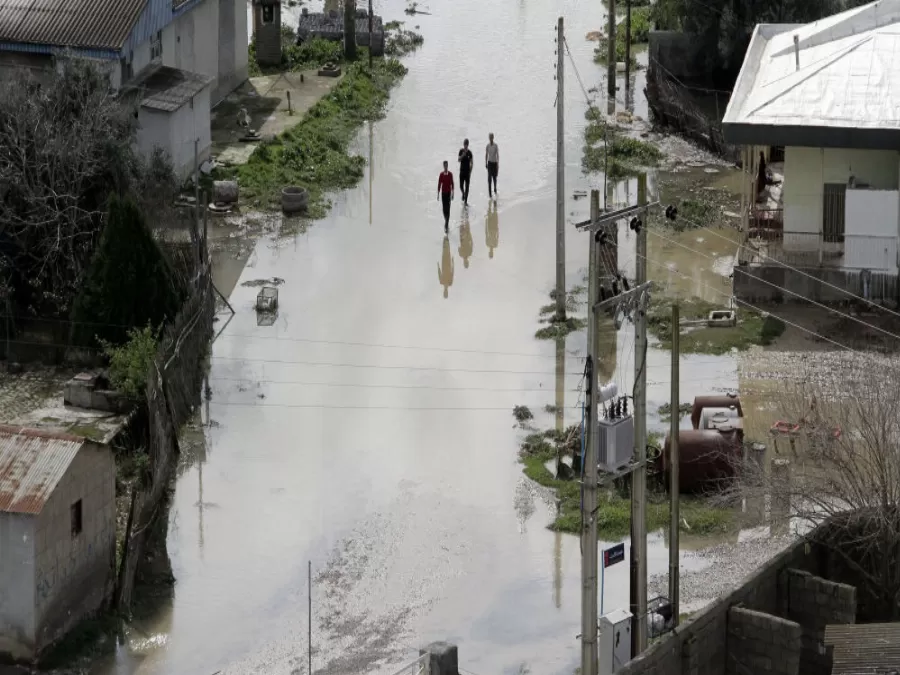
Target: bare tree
{"type": "Point", "coordinates": [837, 462]}
{"type": "Point", "coordinates": [66, 144]}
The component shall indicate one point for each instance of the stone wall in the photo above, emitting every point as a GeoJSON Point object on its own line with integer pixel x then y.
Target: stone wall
{"type": "Point", "coordinates": [814, 603]}
{"type": "Point", "coordinates": [761, 643]}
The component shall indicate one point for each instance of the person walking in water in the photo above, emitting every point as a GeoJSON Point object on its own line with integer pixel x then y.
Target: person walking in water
{"type": "Point", "coordinates": [492, 162]}
{"type": "Point", "coordinates": [465, 170]}
{"type": "Point", "coordinates": [445, 193]}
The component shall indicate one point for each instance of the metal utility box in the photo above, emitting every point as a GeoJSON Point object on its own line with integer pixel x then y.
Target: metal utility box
{"type": "Point", "coordinates": [616, 443]}
{"type": "Point", "coordinates": [615, 641]}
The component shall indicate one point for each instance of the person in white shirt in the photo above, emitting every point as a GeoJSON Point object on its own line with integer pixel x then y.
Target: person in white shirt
{"type": "Point", "coordinates": [492, 162]}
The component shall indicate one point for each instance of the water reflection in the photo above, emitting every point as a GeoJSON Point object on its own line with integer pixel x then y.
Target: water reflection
{"type": "Point", "coordinates": [491, 229]}
{"type": "Point", "coordinates": [560, 403]}
{"type": "Point", "coordinates": [445, 267]}
{"type": "Point", "coordinates": [465, 237]}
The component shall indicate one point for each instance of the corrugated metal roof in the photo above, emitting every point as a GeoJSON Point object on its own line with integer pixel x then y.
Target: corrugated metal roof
{"type": "Point", "coordinates": [167, 89]}
{"type": "Point", "coordinates": [32, 462]}
{"type": "Point", "coordinates": [864, 649]}
{"type": "Point", "coordinates": [101, 24]}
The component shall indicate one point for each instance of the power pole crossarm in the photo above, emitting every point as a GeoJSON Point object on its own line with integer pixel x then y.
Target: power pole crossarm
{"type": "Point", "coordinates": [560, 176]}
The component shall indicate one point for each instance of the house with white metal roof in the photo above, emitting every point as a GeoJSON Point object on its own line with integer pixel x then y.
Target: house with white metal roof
{"type": "Point", "coordinates": [205, 40]}
{"type": "Point", "coordinates": [57, 535]}
{"type": "Point", "coordinates": [825, 97]}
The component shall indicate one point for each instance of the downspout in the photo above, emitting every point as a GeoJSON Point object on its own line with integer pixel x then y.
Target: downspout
{"type": "Point", "coordinates": [797, 51]}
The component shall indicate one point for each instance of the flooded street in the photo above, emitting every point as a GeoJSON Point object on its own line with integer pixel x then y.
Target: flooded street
{"type": "Point", "coordinates": [369, 430]}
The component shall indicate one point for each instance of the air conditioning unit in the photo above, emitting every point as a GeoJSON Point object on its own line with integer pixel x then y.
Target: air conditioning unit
{"type": "Point", "coordinates": [616, 443]}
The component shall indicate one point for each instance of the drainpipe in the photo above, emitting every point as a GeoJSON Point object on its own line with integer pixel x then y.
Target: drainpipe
{"type": "Point", "coordinates": [797, 51]}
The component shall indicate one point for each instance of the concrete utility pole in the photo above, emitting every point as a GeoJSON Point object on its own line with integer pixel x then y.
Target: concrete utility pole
{"type": "Point", "coordinates": [589, 625]}
{"type": "Point", "coordinates": [627, 51]}
{"type": "Point", "coordinates": [370, 33]}
{"type": "Point", "coordinates": [611, 54]}
{"type": "Point", "coordinates": [674, 484]}
{"type": "Point", "coordinates": [560, 176]}
{"type": "Point", "coordinates": [639, 477]}
{"type": "Point", "coordinates": [350, 30]}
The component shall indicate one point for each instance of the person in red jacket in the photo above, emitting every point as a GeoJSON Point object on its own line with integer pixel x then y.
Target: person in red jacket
{"type": "Point", "coordinates": [445, 193]}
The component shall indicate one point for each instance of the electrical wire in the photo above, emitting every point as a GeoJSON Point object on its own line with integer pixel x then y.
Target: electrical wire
{"type": "Point", "coordinates": [792, 268]}
{"type": "Point", "coordinates": [782, 288]}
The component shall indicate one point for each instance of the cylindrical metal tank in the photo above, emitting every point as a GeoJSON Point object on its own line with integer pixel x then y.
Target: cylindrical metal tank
{"type": "Point", "coordinates": [706, 458]}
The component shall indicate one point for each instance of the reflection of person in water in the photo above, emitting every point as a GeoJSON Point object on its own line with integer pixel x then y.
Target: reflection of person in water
{"type": "Point", "coordinates": [445, 267]}
{"type": "Point", "coordinates": [465, 239]}
{"type": "Point", "coordinates": [491, 229]}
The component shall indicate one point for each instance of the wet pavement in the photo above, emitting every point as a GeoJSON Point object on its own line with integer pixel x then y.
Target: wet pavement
{"type": "Point", "coordinates": [369, 429]}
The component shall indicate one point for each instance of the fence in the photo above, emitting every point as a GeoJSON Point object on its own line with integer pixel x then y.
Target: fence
{"type": "Point", "coordinates": [173, 392]}
{"type": "Point", "coordinates": [672, 105]}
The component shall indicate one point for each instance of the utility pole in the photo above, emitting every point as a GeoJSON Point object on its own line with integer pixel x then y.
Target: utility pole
{"type": "Point", "coordinates": [560, 177]}
{"type": "Point", "coordinates": [674, 484]}
{"type": "Point", "coordinates": [627, 52]}
{"type": "Point", "coordinates": [639, 477]}
{"type": "Point", "coordinates": [611, 54]}
{"type": "Point", "coordinates": [589, 623]}
{"type": "Point", "coordinates": [370, 33]}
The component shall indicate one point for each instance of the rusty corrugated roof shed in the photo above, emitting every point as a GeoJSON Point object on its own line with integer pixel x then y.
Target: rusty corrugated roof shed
{"type": "Point", "coordinates": [865, 648]}
{"type": "Point", "coordinates": [100, 24]}
{"type": "Point", "coordinates": [167, 89]}
{"type": "Point", "coordinates": [32, 462]}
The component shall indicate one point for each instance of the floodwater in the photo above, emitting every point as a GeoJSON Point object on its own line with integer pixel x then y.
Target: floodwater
{"type": "Point", "coordinates": [368, 430]}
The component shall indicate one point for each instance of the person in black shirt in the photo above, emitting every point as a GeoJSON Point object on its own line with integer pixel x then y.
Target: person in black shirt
{"type": "Point", "coordinates": [465, 170]}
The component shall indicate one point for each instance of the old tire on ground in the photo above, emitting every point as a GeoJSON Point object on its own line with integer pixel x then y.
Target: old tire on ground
{"type": "Point", "coordinates": [294, 200]}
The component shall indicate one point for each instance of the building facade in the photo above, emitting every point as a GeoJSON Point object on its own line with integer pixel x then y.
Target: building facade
{"type": "Point", "coordinates": [57, 536]}
{"type": "Point", "coordinates": [206, 38]}
{"type": "Point", "coordinates": [822, 96]}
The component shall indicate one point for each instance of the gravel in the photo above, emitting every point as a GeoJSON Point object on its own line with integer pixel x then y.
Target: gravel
{"type": "Point", "coordinates": [726, 566]}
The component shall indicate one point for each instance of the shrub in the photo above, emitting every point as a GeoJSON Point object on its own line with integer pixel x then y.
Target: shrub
{"type": "Point", "coordinates": [130, 363]}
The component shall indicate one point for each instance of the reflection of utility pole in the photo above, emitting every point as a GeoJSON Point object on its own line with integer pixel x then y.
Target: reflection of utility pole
{"type": "Point", "coordinates": [611, 55]}
{"type": "Point", "coordinates": [371, 144]}
{"type": "Point", "coordinates": [370, 33]}
{"type": "Point", "coordinates": [639, 477]}
{"type": "Point", "coordinates": [560, 177]}
{"type": "Point", "coordinates": [200, 478]}
{"type": "Point", "coordinates": [560, 422]}
{"type": "Point", "coordinates": [628, 52]}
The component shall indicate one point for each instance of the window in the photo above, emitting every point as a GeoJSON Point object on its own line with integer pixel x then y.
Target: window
{"type": "Point", "coordinates": [156, 46]}
{"type": "Point", "coordinates": [268, 13]}
{"type": "Point", "coordinates": [75, 513]}
{"type": "Point", "coordinates": [834, 201]}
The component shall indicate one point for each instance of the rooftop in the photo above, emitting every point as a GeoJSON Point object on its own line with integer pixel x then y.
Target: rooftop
{"type": "Point", "coordinates": [167, 89]}
{"type": "Point", "coordinates": [864, 649]}
{"type": "Point", "coordinates": [98, 24]}
{"type": "Point", "coordinates": [32, 463]}
{"type": "Point", "coordinates": [841, 75]}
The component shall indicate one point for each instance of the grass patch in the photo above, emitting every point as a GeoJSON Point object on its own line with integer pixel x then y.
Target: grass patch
{"type": "Point", "coordinates": [753, 328]}
{"type": "Point", "coordinates": [627, 157]}
{"type": "Point", "coordinates": [313, 154]}
{"type": "Point", "coordinates": [640, 34]}
{"type": "Point", "coordinates": [555, 329]}
{"type": "Point", "coordinates": [665, 411]}
{"type": "Point", "coordinates": [523, 414]}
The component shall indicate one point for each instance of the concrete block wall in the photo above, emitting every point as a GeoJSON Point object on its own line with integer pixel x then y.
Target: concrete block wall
{"type": "Point", "coordinates": [700, 645]}
{"type": "Point", "coordinates": [74, 575]}
{"type": "Point", "coordinates": [814, 603]}
{"type": "Point", "coordinates": [761, 643]}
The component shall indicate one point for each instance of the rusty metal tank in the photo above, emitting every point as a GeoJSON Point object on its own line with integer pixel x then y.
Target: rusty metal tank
{"type": "Point", "coordinates": [711, 451]}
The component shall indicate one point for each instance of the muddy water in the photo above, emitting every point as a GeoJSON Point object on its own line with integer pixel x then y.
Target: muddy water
{"type": "Point", "coordinates": [369, 430]}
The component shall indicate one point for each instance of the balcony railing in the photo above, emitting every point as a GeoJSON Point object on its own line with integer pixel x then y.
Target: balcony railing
{"type": "Point", "coordinates": [811, 249]}
{"type": "Point", "coordinates": [766, 224]}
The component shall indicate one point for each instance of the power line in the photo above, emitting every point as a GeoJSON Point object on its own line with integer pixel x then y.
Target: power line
{"type": "Point", "coordinates": [792, 268]}
{"type": "Point", "coordinates": [782, 288]}
{"type": "Point", "coordinates": [318, 406]}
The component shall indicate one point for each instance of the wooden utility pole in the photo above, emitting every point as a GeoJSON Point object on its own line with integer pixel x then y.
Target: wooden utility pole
{"type": "Point", "coordinates": [350, 30]}
{"type": "Point", "coordinates": [639, 477]}
{"type": "Point", "coordinates": [627, 51]}
{"type": "Point", "coordinates": [560, 177]}
{"type": "Point", "coordinates": [589, 502]}
{"type": "Point", "coordinates": [674, 459]}
{"type": "Point", "coordinates": [611, 54]}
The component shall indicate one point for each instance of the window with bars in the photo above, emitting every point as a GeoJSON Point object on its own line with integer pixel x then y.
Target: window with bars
{"type": "Point", "coordinates": [834, 202]}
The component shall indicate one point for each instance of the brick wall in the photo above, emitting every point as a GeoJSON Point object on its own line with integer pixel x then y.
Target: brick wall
{"type": "Point", "coordinates": [814, 602]}
{"type": "Point", "coordinates": [761, 643]}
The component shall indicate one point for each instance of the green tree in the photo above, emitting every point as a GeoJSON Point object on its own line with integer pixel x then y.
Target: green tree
{"type": "Point", "coordinates": [129, 283]}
